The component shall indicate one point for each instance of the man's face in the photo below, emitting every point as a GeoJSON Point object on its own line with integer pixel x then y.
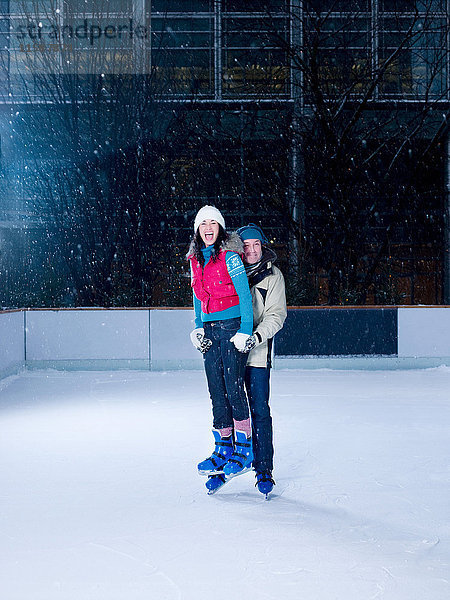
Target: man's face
{"type": "Point", "coordinates": [252, 251]}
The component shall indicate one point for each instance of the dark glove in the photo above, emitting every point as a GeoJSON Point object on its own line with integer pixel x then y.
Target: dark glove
{"type": "Point", "coordinates": [205, 345]}
{"type": "Point", "coordinates": [199, 341]}
{"type": "Point", "coordinates": [250, 343]}
{"type": "Point", "coordinates": [244, 342]}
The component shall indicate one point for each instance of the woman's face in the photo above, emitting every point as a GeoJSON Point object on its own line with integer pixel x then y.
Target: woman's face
{"type": "Point", "coordinates": [209, 230]}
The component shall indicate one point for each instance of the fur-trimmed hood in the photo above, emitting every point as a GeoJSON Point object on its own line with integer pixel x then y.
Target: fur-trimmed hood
{"type": "Point", "coordinates": [232, 244]}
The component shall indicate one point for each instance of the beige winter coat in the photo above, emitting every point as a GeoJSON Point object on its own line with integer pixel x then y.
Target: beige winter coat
{"type": "Point", "coordinates": [269, 314]}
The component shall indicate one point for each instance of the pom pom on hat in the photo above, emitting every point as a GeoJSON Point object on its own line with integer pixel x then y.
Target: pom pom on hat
{"type": "Point", "coordinates": [208, 212]}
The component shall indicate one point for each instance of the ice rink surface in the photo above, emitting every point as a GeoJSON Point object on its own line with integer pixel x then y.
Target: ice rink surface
{"type": "Point", "coordinates": [100, 498]}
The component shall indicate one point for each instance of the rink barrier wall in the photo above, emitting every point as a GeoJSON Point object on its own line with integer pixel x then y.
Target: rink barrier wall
{"type": "Point", "coordinates": [343, 332]}
{"type": "Point", "coordinates": [376, 337]}
{"type": "Point", "coordinates": [12, 342]}
{"type": "Point", "coordinates": [158, 338]}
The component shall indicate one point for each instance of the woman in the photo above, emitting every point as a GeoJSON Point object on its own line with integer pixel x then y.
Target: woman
{"type": "Point", "coordinates": [223, 328]}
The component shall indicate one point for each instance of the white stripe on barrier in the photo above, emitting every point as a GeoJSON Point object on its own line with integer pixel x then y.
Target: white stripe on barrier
{"type": "Point", "coordinates": [424, 331]}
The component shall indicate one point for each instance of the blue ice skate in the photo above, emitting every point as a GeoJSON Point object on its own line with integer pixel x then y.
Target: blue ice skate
{"type": "Point", "coordinates": [215, 483]}
{"type": "Point", "coordinates": [264, 482]}
{"type": "Point", "coordinates": [241, 459]}
{"type": "Point", "coordinates": [223, 451]}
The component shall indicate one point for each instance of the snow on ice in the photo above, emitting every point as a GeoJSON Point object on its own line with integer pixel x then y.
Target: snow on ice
{"type": "Point", "coordinates": [101, 499]}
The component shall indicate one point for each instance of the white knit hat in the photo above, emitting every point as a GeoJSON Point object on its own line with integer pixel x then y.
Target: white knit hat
{"type": "Point", "coordinates": [208, 212]}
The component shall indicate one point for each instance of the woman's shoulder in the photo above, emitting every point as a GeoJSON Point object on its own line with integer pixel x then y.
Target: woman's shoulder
{"type": "Point", "coordinates": [233, 243]}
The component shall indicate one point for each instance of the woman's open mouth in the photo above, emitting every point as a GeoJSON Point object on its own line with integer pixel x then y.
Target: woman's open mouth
{"type": "Point", "coordinates": [209, 236]}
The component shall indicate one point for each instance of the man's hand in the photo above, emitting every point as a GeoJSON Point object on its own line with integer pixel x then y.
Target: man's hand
{"type": "Point", "coordinates": [244, 342]}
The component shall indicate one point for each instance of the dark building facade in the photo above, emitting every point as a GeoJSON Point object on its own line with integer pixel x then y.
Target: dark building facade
{"type": "Point", "coordinates": [326, 122]}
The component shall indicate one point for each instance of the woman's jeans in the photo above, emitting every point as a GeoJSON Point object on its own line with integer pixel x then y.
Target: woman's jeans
{"type": "Point", "coordinates": [258, 389]}
{"type": "Point", "coordinates": [225, 372]}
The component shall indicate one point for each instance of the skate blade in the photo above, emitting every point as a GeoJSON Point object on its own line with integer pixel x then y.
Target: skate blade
{"type": "Point", "coordinates": [231, 475]}
{"type": "Point", "coordinates": [212, 492]}
{"type": "Point", "coordinates": [217, 472]}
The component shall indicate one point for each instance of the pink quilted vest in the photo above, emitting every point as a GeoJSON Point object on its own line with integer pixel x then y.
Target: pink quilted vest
{"type": "Point", "coordinates": [212, 285]}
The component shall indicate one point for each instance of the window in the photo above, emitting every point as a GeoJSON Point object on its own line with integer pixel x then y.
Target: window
{"type": "Point", "coordinates": [338, 48]}
{"type": "Point", "coordinates": [412, 52]}
{"type": "Point", "coordinates": [179, 6]}
{"type": "Point", "coordinates": [4, 57]}
{"type": "Point", "coordinates": [254, 55]}
{"type": "Point", "coordinates": [406, 6]}
{"type": "Point", "coordinates": [182, 53]}
{"type": "Point", "coordinates": [341, 6]}
{"type": "Point", "coordinates": [101, 6]}
{"type": "Point", "coordinates": [258, 6]}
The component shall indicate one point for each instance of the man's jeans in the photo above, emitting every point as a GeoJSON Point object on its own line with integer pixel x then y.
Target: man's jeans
{"type": "Point", "coordinates": [257, 386]}
{"type": "Point", "coordinates": [225, 371]}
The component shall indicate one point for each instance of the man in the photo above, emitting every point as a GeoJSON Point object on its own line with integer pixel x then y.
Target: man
{"type": "Point", "coordinates": [269, 313]}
